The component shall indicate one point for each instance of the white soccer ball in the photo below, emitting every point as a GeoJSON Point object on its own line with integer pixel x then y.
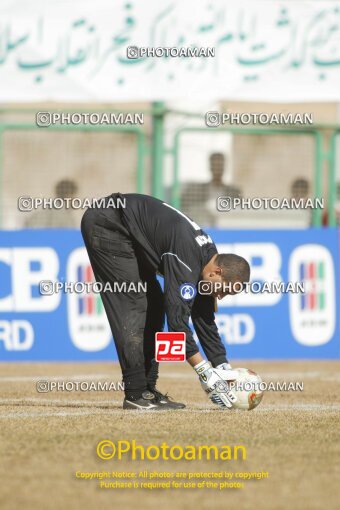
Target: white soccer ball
{"type": "Point", "coordinates": [247, 389]}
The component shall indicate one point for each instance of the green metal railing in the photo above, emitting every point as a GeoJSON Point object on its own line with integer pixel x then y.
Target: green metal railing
{"type": "Point", "coordinates": [317, 213]}
{"type": "Point", "coordinates": [322, 155]}
{"type": "Point", "coordinates": [324, 149]}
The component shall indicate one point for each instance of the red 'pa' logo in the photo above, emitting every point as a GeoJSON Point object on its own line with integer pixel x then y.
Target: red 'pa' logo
{"type": "Point", "coordinates": [170, 346]}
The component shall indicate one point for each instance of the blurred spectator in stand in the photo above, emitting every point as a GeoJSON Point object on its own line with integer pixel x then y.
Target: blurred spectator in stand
{"type": "Point", "coordinates": [198, 200]}
{"type": "Point", "coordinates": [325, 219]}
{"type": "Point", "coordinates": [300, 189]}
{"type": "Point", "coordinates": [56, 218]}
{"type": "Point", "coordinates": [301, 217]}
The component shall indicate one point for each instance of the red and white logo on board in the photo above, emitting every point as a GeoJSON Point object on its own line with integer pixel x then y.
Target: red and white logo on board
{"type": "Point", "coordinates": [170, 346]}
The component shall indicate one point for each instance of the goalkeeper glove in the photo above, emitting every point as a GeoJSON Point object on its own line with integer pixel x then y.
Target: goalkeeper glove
{"type": "Point", "coordinates": [214, 385]}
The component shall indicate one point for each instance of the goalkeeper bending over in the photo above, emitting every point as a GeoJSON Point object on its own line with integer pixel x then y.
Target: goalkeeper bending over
{"type": "Point", "coordinates": [132, 244]}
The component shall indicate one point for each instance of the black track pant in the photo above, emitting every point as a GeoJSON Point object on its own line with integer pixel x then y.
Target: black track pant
{"type": "Point", "coordinates": [134, 317]}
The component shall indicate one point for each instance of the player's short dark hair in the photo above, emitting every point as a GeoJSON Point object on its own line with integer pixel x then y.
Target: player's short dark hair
{"type": "Point", "coordinates": [234, 268]}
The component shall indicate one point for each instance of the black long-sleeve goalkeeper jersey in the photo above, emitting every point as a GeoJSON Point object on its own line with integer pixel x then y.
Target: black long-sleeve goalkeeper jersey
{"type": "Point", "coordinates": [170, 243]}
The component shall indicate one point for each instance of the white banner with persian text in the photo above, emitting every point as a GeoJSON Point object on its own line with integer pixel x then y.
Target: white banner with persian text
{"type": "Point", "coordinates": [80, 50]}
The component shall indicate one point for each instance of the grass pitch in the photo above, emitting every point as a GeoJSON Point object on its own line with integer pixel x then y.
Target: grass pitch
{"type": "Point", "coordinates": [45, 438]}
